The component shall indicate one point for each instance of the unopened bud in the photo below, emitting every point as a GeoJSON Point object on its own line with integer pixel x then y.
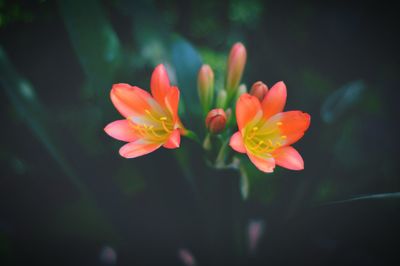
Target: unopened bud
{"type": "Point", "coordinates": [221, 98]}
{"type": "Point", "coordinates": [216, 120]}
{"type": "Point", "coordinates": [236, 63]}
{"type": "Point", "coordinates": [205, 87]}
{"type": "Point", "coordinates": [259, 90]}
{"type": "Point", "coordinates": [242, 89]}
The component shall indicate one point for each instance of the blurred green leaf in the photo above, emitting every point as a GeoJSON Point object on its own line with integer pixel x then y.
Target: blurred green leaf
{"type": "Point", "coordinates": [381, 196]}
{"type": "Point", "coordinates": [341, 100]}
{"type": "Point", "coordinates": [150, 32]}
{"type": "Point", "coordinates": [187, 62]}
{"type": "Point", "coordinates": [95, 42]}
{"type": "Point", "coordinates": [29, 108]}
{"type": "Point", "coordinates": [244, 183]}
{"type": "Point", "coordinates": [245, 12]}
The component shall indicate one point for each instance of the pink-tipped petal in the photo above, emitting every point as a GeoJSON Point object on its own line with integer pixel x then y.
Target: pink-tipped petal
{"type": "Point", "coordinates": [266, 165]}
{"type": "Point", "coordinates": [172, 102]}
{"type": "Point", "coordinates": [174, 140]}
{"type": "Point", "coordinates": [129, 100]}
{"type": "Point", "coordinates": [289, 158]}
{"type": "Point", "coordinates": [160, 84]}
{"type": "Point", "coordinates": [121, 130]}
{"type": "Point", "coordinates": [247, 108]}
{"type": "Point", "coordinates": [236, 142]}
{"type": "Point", "coordinates": [275, 100]}
{"type": "Point", "coordinates": [138, 148]}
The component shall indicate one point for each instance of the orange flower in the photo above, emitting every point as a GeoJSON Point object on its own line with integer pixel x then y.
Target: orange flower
{"type": "Point", "coordinates": [150, 120]}
{"type": "Point", "coordinates": [266, 133]}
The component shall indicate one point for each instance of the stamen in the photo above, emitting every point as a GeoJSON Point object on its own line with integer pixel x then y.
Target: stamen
{"type": "Point", "coordinates": [151, 128]}
{"type": "Point", "coordinates": [259, 144]}
{"type": "Point", "coordinates": [164, 126]}
{"type": "Point", "coordinates": [151, 115]}
{"type": "Point", "coordinates": [283, 137]}
{"type": "Point", "coordinates": [279, 123]}
{"type": "Point", "coordinates": [140, 130]}
{"type": "Point", "coordinates": [253, 132]}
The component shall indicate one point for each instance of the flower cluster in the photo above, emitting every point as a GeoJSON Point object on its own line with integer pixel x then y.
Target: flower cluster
{"type": "Point", "coordinates": [265, 132]}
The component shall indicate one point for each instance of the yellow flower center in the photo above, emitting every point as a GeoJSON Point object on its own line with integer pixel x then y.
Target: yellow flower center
{"type": "Point", "coordinates": [263, 138]}
{"type": "Point", "coordinates": [153, 126]}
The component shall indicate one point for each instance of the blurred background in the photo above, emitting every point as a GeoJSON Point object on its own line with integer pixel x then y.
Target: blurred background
{"type": "Point", "coordinates": [68, 198]}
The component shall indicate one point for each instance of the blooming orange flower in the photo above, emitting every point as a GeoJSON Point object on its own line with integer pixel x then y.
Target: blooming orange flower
{"type": "Point", "coordinates": [266, 133]}
{"type": "Point", "coordinates": [151, 121]}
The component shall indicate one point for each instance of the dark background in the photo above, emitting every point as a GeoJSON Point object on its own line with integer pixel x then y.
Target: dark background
{"type": "Point", "coordinates": [66, 195]}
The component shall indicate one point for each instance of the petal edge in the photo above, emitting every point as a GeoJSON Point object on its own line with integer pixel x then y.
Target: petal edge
{"type": "Point", "coordinates": [236, 142]}
{"type": "Point", "coordinates": [288, 157]}
{"type": "Point", "coordinates": [174, 140]}
{"type": "Point", "coordinates": [266, 165]}
{"type": "Point", "coordinates": [137, 148]}
{"type": "Point", "coordinates": [121, 130]}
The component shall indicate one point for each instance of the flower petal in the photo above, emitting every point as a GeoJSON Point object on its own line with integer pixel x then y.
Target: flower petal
{"type": "Point", "coordinates": [172, 101]}
{"type": "Point", "coordinates": [289, 158]}
{"type": "Point", "coordinates": [174, 140]}
{"type": "Point", "coordinates": [130, 100]}
{"type": "Point", "coordinates": [266, 165]}
{"type": "Point", "coordinates": [159, 84]}
{"type": "Point", "coordinates": [121, 130]}
{"type": "Point", "coordinates": [292, 125]}
{"type": "Point", "coordinates": [138, 148]}
{"type": "Point", "coordinates": [275, 100]}
{"type": "Point", "coordinates": [236, 142]}
{"type": "Point", "coordinates": [247, 108]}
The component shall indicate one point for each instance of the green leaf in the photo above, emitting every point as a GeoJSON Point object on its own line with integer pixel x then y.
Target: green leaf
{"type": "Point", "coordinates": [244, 183]}
{"type": "Point", "coordinates": [23, 97]}
{"type": "Point", "coordinates": [381, 196]}
{"type": "Point", "coordinates": [341, 100]}
{"type": "Point", "coordinates": [187, 62]}
{"type": "Point", "coordinates": [95, 42]}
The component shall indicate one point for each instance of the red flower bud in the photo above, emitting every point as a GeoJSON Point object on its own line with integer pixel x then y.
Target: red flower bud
{"type": "Point", "coordinates": [216, 120]}
{"type": "Point", "coordinates": [259, 90]}
{"type": "Point", "coordinates": [235, 68]}
{"type": "Point", "coordinates": [205, 86]}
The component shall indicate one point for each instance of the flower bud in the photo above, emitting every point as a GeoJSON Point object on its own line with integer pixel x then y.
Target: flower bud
{"type": "Point", "coordinates": [241, 89]}
{"type": "Point", "coordinates": [236, 63]}
{"type": "Point", "coordinates": [259, 90]}
{"type": "Point", "coordinates": [205, 86]}
{"type": "Point", "coordinates": [221, 98]}
{"type": "Point", "coordinates": [216, 120]}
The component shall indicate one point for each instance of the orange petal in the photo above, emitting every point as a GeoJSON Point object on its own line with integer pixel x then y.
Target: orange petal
{"type": "Point", "coordinates": [159, 84]}
{"type": "Point", "coordinates": [292, 125]}
{"type": "Point", "coordinates": [266, 165]}
{"type": "Point", "coordinates": [174, 140]}
{"type": "Point", "coordinates": [247, 108]}
{"type": "Point", "coordinates": [138, 148]}
{"type": "Point", "coordinates": [129, 100]}
{"type": "Point", "coordinates": [236, 142]}
{"type": "Point", "coordinates": [289, 158]}
{"type": "Point", "coordinates": [121, 130]}
{"type": "Point", "coordinates": [275, 100]}
{"type": "Point", "coordinates": [172, 101]}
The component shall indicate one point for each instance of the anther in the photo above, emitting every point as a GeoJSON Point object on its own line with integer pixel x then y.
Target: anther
{"type": "Point", "coordinates": [279, 123]}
